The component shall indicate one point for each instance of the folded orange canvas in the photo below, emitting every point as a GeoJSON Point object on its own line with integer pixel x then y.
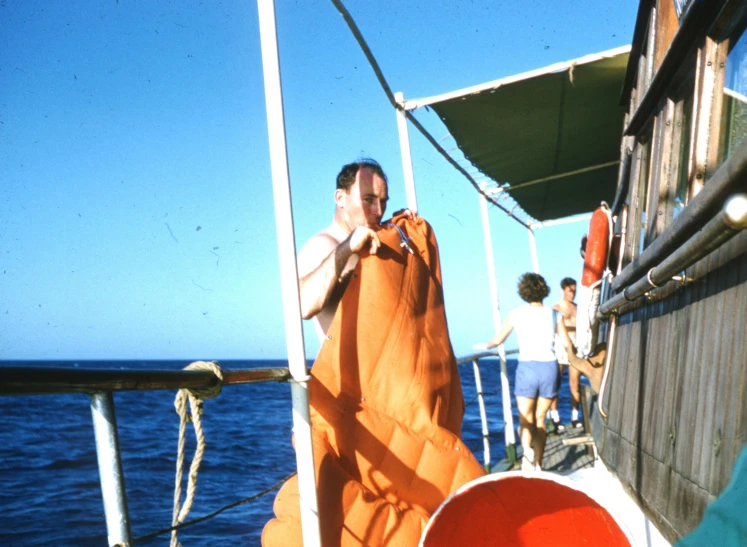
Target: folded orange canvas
{"type": "Point", "coordinates": [386, 404]}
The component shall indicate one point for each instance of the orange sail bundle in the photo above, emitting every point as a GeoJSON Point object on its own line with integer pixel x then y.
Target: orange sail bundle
{"type": "Point", "coordinates": [386, 404]}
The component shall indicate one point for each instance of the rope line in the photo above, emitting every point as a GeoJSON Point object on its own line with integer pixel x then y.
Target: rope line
{"type": "Point", "coordinates": [214, 513]}
{"type": "Point", "coordinates": [388, 92]}
{"type": "Point", "coordinates": [195, 398]}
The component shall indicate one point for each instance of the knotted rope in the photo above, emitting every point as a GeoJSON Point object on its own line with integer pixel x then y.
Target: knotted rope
{"type": "Point", "coordinates": [195, 397]}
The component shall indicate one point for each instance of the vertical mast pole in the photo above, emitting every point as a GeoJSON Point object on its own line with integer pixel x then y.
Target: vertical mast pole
{"type": "Point", "coordinates": [404, 143]}
{"type": "Point", "coordinates": [289, 274]}
{"type": "Point", "coordinates": [508, 419]}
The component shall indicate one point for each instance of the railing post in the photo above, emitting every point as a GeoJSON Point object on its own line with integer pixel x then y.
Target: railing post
{"type": "Point", "coordinates": [483, 415]}
{"type": "Point", "coordinates": [110, 470]}
{"type": "Point", "coordinates": [289, 275]}
{"type": "Point", "coordinates": [508, 420]}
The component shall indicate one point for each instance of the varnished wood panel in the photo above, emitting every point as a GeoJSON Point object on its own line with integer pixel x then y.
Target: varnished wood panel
{"type": "Point", "coordinates": [677, 399]}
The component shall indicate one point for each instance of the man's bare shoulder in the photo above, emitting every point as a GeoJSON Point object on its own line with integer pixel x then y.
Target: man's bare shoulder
{"type": "Point", "coordinates": [316, 249]}
{"type": "Point", "coordinates": [566, 308]}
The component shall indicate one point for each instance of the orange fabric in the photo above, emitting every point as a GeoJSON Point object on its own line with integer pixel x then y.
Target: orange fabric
{"type": "Point", "coordinates": [386, 405]}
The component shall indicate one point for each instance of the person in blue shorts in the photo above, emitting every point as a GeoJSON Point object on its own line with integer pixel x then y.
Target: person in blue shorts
{"type": "Point", "coordinates": [536, 383]}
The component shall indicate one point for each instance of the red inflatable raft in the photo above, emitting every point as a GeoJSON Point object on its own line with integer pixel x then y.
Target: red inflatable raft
{"type": "Point", "coordinates": [522, 509]}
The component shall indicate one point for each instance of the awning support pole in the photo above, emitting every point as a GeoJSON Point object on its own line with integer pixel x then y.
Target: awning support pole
{"type": "Point", "coordinates": [289, 274]}
{"type": "Point", "coordinates": [404, 143]}
{"type": "Point", "coordinates": [508, 419]}
{"type": "Point", "coordinates": [533, 251]}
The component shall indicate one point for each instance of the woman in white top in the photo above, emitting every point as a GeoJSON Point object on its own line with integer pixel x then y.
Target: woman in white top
{"type": "Point", "coordinates": [536, 383]}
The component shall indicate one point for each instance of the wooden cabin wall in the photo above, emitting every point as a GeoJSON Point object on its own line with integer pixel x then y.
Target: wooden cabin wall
{"type": "Point", "coordinates": [677, 407]}
{"type": "Point", "coordinates": [676, 396]}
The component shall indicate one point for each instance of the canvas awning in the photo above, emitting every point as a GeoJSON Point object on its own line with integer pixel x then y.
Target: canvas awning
{"type": "Point", "coordinates": [552, 134]}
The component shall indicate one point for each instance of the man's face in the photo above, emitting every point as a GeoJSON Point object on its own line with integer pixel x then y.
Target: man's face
{"type": "Point", "coordinates": [365, 202]}
{"type": "Point", "coordinates": [569, 293]}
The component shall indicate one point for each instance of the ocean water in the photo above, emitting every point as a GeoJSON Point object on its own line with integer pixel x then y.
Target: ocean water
{"type": "Point", "coordinates": [49, 484]}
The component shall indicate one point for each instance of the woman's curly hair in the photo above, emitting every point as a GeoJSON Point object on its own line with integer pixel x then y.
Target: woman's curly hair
{"type": "Point", "coordinates": [533, 287]}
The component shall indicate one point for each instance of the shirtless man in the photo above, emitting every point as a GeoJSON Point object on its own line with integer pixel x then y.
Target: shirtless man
{"type": "Point", "coordinates": [327, 260]}
{"type": "Point", "coordinates": [567, 307]}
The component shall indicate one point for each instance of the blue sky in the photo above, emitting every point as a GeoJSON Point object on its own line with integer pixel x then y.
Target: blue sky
{"type": "Point", "coordinates": [136, 211]}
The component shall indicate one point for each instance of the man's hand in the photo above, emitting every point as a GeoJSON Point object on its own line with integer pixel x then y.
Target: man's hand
{"type": "Point", "coordinates": [362, 237]}
{"type": "Point", "coordinates": [412, 215]}
{"type": "Point", "coordinates": [481, 346]}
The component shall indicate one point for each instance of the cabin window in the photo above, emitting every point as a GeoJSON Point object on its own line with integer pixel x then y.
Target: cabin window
{"type": "Point", "coordinates": [733, 121]}
{"type": "Point", "coordinates": [680, 7]}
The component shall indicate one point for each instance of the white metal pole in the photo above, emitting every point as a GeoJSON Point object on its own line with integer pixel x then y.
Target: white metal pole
{"type": "Point", "coordinates": [404, 143]}
{"type": "Point", "coordinates": [289, 274]}
{"type": "Point", "coordinates": [533, 250]}
{"type": "Point", "coordinates": [483, 415]}
{"type": "Point", "coordinates": [110, 469]}
{"type": "Point", "coordinates": [505, 390]}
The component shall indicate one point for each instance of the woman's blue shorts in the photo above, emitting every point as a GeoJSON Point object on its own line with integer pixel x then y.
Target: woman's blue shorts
{"type": "Point", "coordinates": [537, 378]}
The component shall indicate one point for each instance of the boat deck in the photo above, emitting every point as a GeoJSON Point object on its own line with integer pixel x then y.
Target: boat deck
{"type": "Point", "coordinates": [565, 451]}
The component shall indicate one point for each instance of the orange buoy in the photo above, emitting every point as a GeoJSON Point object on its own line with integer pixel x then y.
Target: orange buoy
{"type": "Point", "coordinates": [595, 263]}
{"type": "Point", "coordinates": [597, 247]}
{"type": "Point", "coordinates": [522, 509]}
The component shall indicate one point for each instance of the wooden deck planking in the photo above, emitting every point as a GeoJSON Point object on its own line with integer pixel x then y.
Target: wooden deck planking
{"type": "Point", "coordinates": [559, 457]}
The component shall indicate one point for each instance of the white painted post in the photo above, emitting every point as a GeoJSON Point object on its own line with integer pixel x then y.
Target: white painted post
{"type": "Point", "coordinates": [497, 323]}
{"type": "Point", "coordinates": [483, 415]}
{"type": "Point", "coordinates": [404, 143]}
{"type": "Point", "coordinates": [289, 274]}
{"type": "Point", "coordinates": [110, 469]}
{"type": "Point", "coordinates": [533, 251]}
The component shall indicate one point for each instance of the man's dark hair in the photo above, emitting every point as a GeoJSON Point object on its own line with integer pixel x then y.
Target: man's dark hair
{"type": "Point", "coordinates": [533, 287]}
{"type": "Point", "coordinates": [346, 177]}
{"type": "Point", "coordinates": [567, 282]}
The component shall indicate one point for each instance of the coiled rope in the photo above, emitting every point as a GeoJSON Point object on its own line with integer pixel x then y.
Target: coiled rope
{"type": "Point", "coordinates": [195, 398]}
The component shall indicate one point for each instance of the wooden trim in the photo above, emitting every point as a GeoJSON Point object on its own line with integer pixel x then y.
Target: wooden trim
{"type": "Point", "coordinates": [705, 115]}
{"type": "Point", "coordinates": [633, 211]}
{"type": "Point", "coordinates": [700, 16]}
{"type": "Point", "coordinates": [717, 103]}
{"type": "Point", "coordinates": [641, 25]}
{"type": "Point", "coordinates": [667, 25]}
{"type": "Point", "coordinates": [667, 153]}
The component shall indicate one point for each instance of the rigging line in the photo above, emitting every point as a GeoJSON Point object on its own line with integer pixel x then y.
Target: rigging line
{"type": "Point", "coordinates": [387, 90]}
{"type": "Point", "coordinates": [366, 50]}
{"type": "Point", "coordinates": [213, 514]}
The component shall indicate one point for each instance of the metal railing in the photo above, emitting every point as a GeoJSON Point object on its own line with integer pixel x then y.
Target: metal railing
{"type": "Point", "coordinates": [475, 360]}
{"type": "Point", "coordinates": [100, 385]}
{"type": "Point", "coordinates": [726, 181]}
{"type": "Point", "coordinates": [725, 225]}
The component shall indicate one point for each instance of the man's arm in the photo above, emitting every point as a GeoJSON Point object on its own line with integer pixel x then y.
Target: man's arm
{"type": "Point", "coordinates": [321, 266]}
